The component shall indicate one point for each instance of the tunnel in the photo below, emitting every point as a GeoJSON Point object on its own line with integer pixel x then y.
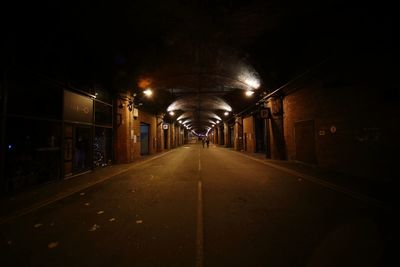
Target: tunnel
{"type": "Point", "coordinates": [198, 133]}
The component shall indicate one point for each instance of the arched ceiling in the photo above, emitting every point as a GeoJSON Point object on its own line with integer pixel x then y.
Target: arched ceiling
{"type": "Point", "coordinates": [198, 56]}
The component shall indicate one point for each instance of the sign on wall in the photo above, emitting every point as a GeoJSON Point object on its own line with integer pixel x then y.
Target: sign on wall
{"type": "Point", "coordinates": [265, 113]}
{"type": "Point", "coordinates": [77, 107]}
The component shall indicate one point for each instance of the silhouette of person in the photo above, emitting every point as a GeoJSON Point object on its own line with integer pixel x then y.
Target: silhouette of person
{"type": "Point", "coordinates": [208, 142]}
{"type": "Point", "coordinates": [203, 141]}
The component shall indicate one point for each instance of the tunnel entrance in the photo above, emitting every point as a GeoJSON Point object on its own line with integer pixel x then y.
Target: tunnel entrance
{"type": "Point", "coordinates": [144, 139]}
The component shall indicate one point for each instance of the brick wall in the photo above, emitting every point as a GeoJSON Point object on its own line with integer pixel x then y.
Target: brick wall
{"type": "Point", "coordinates": [126, 145]}
{"type": "Point", "coordinates": [238, 132]}
{"type": "Point", "coordinates": [355, 127]}
{"type": "Point", "coordinates": [152, 121]}
{"type": "Point", "coordinates": [249, 134]}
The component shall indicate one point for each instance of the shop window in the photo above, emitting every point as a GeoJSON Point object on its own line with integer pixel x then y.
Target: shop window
{"type": "Point", "coordinates": [103, 114]}
{"type": "Point", "coordinates": [102, 147]}
{"type": "Point", "coordinates": [33, 152]}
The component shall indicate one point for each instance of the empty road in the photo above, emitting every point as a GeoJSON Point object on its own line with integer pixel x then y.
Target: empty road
{"type": "Point", "coordinates": [200, 207]}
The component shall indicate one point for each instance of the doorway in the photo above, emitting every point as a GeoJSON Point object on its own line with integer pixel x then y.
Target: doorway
{"type": "Point", "coordinates": [144, 138]}
{"type": "Point", "coordinates": [261, 134]}
{"type": "Point", "coordinates": [77, 149]}
{"type": "Point", "coordinates": [232, 136]}
{"type": "Point", "coordinates": [305, 141]}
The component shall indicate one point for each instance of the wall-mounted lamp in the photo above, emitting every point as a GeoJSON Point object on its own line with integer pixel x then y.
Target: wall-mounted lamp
{"type": "Point", "coordinates": [148, 92]}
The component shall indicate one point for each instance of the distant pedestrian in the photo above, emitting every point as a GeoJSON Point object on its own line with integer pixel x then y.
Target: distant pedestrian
{"type": "Point", "coordinates": [203, 141]}
{"type": "Point", "coordinates": [208, 142]}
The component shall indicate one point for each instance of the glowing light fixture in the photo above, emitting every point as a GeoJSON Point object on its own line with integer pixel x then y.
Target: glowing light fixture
{"type": "Point", "coordinates": [226, 113]}
{"type": "Point", "coordinates": [249, 78]}
{"type": "Point", "coordinates": [171, 113]}
{"type": "Point", "coordinates": [180, 122]}
{"type": "Point", "coordinates": [148, 92]}
{"type": "Point", "coordinates": [252, 82]}
{"type": "Point", "coordinates": [249, 93]}
{"type": "Point", "coordinates": [217, 121]}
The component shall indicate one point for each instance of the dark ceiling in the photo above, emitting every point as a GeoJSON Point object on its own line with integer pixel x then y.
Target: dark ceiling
{"type": "Point", "coordinates": [198, 56]}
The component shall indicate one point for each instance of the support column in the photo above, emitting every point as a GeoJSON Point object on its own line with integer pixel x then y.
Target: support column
{"type": "Point", "coordinates": [160, 134]}
{"type": "Point", "coordinates": [168, 137]}
{"type": "Point", "coordinates": [124, 129]}
{"type": "Point", "coordinates": [238, 131]}
{"type": "Point", "coordinates": [275, 125]}
{"type": "Point", "coordinates": [226, 135]}
{"type": "Point", "coordinates": [220, 136]}
{"type": "Point", "coordinates": [172, 135]}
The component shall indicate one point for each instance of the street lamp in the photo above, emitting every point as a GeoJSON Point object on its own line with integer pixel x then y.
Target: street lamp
{"type": "Point", "coordinates": [148, 92]}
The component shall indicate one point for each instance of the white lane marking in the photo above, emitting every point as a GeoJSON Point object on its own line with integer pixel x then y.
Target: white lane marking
{"type": "Point", "coordinates": [199, 232]}
{"type": "Point", "coordinates": [199, 161]}
{"type": "Point", "coordinates": [331, 186]}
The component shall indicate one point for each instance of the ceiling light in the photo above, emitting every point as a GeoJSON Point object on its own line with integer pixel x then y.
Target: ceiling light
{"type": "Point", "coordinates": [249, 93]}
{"type": "Point", "coordinates": [217, 121]}
{"type": "Point", "coordinates": [171, 113]}
{"type": "Point", "coordinates": [253, 83]}
{"type": "Point", "coordinates": [226, 113]}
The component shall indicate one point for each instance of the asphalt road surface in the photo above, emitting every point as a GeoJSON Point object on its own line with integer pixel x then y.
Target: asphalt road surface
{"type": "Point", "coordinates": [201, 207]}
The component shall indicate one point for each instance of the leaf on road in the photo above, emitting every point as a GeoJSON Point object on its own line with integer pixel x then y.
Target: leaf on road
{"type": "Point", "coordinates": [52, 244]}
{"type": "Point", "coordinates": [100, 212]}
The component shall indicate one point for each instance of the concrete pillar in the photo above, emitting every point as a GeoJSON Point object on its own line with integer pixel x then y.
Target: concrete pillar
{"type": "Point", "coordinates": [226, 135]}
{"type": "Point", "coordinates": [238, 131]}
{"type": "Point", "coordinates": [275, 125]}
{"type": "Point", "coordinates": [220, 135]}
{"type": "Point", "coordinates": [249, 139]}
{"type": "Point", "coordinates": [124, 129]}
{"type": "Point", "coordinates": [160, 133]}
{"type": "Point", "coordinates": [172, 135]}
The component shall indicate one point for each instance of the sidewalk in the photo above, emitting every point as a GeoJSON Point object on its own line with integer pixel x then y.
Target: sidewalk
{"type": "Point", "coordinates": [41, 195]}
{"type": "Point", "coordinates": [377, 192]}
